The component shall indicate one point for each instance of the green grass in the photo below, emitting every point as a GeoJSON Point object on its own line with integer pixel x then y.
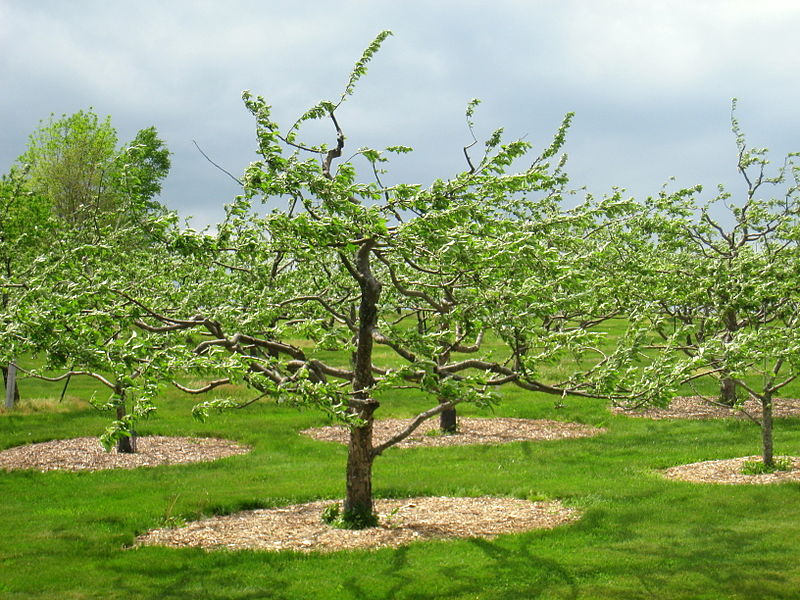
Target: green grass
{"type": "Point", "coordinates": [65, 535]}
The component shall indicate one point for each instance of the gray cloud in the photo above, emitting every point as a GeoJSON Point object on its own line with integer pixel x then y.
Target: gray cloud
{"type": "Point", "coordinates": [651, 82]}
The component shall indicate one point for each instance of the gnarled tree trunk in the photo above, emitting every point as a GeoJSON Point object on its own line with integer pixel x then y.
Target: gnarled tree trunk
{"type": "Point", "coordinates": [358, 505]}
{"type": "Point", "coordinates": [360, 455]}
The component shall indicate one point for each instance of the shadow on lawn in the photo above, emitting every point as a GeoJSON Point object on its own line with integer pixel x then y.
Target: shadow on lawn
{"type": "Point", "coordinates": [500, 573]}
{"type": "Point", "coordinates": [200, 574]}
{"type": "Point", "coordinates": [711, 564]}
{"type": "Point", "coordinates": [510, 574]}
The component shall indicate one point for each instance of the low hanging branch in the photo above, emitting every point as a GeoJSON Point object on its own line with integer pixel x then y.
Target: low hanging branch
{"type": "Point", "coordinates": [68, 375]}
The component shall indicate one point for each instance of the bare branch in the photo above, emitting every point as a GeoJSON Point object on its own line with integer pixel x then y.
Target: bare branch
{"type": "Point", "coordinates": [412, 427]}
{"type": "Point", "coordinates": [215, 164]}
{"type": "Point", "coordinates": [334, 152]}
{"type": "Point", "coordinates": [208, 387]}
{"type": "Point", "coordinates": [69, 374]}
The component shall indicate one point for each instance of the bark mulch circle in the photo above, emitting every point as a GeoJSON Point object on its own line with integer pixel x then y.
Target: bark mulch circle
{"type": "Point", "coordinates": [86, 454]}
{"type": "Point", "coordinates": [730, 472]}
{"type": "Point", "coordinates": [300, 528]}
{"type": "Point", "coordinates": [695, 407]}
{"type": "Point", "coordinates": [470, 431]}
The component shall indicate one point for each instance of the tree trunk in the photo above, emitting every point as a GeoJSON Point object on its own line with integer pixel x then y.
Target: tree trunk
{"type": "Point", "coordinates": [766, 431]}
{"type": "Point", "coordinates": [727, 387]}
{"type": "Point", "coordinates": [358, 506]}
{"type": "Point", "coordinates": [447, 418]}
{"type": "Point", "coordinates": [727, 391]}
{"type": "Point", "coordinates": [125, 444]}
{"type": "Point", "coordinates": [448, 422]}
{"type": "Point", "coordinates": [11, 398]}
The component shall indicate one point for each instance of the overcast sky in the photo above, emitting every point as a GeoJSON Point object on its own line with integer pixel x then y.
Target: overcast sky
{"type": "Point", "coordinates": [651, 82]}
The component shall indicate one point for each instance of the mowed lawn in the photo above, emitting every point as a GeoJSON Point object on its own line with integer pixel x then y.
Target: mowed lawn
{"type": "Point", "coordinates": [66, 535]}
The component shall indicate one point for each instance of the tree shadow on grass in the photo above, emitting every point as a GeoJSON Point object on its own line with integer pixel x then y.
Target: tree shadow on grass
{"type": "Point", "coordinates": [505, 574]}
{"type": "Point", "coordinates": [199, 574]}
{"type": "Point", "coordinates": [720, 563]}
{"type": "Point", "coordinates": [523, 574]}
{"type": "Point", "coordinates": [495, 571]}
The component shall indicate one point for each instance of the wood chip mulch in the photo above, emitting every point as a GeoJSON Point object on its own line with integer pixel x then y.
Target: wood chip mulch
{"type": "Point", "coordinates": [299, 527]}
{"type": "Point", "coordinates": [470, 431]}
{"type": "Point", "coordinates": [695, 407]}
{"type": "Point", "coordinates": [86, 454]}
{"type": "Point", "coordinates": [730, 472]}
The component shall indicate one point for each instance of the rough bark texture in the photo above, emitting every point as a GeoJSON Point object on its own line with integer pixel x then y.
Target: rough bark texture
{"type": "Point", "coordinates": [358, 500]}
{"type": "Point", "coordinates": [766, 431]}
{"type": "Point", "coordinates": [358, 505]}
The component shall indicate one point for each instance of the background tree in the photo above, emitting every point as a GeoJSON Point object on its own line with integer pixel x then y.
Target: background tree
{"type": "Point", "coordinates": [25, 223]}
{"type": "Point", "coordinates": [104, 197]}
{"type": "Point", "coordinates": [75, 162]}
{"type": "Point", "coordinates": [70, 316]}
{"type": "Point", "coordinates": [724, 291]}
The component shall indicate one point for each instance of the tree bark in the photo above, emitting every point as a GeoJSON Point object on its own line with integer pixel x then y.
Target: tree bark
{"type": "Point", "coordinates": [727, 391]}
{"type": "Point", "coordinates": [358, 499]}
{"type": "Point", "coordinates": [125, 444]}
{"type": "Point", "coordinates": [766, 431]}
{"type": "Point", "coordinates": [358, 505]}
{"type": "Point", "coordinates": [448, 422]}
{"type": "Point", "coordinates": [11, 399]}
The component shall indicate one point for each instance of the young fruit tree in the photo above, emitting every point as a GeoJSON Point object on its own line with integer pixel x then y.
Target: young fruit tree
{"type": "Point", "coordinates": [25, 224]}
{"type": "Point", "coordinates": [348, 289]}
{"type": "Point", "coordinates": [68, 314]}
{"type": "Point", "coordinates": [352, 288]}
{"type": "Point", "coordinates": [95, 208]}
{"type": "Point", "coordinates": [727, 287]}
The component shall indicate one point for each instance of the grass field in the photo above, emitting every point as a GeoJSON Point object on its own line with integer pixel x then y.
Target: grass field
{"type": "Point", "coordinates": [64, 535]}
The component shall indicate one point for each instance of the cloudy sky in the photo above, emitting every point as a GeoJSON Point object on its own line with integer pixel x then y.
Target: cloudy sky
{"type": "Point", "coordinates": [651, 82]}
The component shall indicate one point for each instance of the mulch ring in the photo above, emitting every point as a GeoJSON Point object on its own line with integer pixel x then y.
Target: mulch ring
{"type": "Point", "coordinates": [470, 431]}
{"type": "Point", "coordinates": [695, 407]}
{"type": "Point", "coordinates": [86, 454]}
{"type": "Point", "coordinates": [730, 472]}
{"type": "Point", "coordinates": [300, 528]}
